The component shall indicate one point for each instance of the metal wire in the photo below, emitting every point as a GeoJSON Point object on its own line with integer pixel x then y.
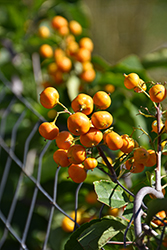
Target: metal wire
{"type": "Point", "coordinates": [12, 157]}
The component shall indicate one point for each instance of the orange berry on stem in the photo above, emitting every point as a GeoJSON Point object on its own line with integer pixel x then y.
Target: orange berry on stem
{"type": "Point", "coordinates": [46, 51]}
{"type": "Point", "coordinates": [58, 22]}
{"type": "Point", "coordinates": [58, 54]}
{"type": "Point", "coordinates": [131, 81]}
{"type": "Point", "coordinates": [83, 55]}
{"type": "Point", "coordinates": [78, 123]}
{"type": "Point", "coordinates": [44, 32]}
{"type": "Point", "coordinates": [68, 224]}
{"type": "Point", "coordinates": [88, 75]}
{"type": "Point", "coordinates": [64, 140]}
{"type": "Point", "coordinates": [92, 138]}
{"type": "Point", "coordinates": [63, 31]}
{"type": "Point", "coordinates": [48, 130]}
{"type": "Point", "coordinates": [151, 161]}
{"type": "Point", "coordinates": [61, 158]}
{"type": "Point", "coordinates": [90, 163]}
{"type": "Point", "coordinates": [76, 154]}
{"type": "Point", "coordinates": [140, 155]}
{"type": "Point", "coordinates": [83, 103]}
{"type": "Point", "coordinates": [142, 86]}
{"type": "Point", "coordinates": [102, 100]}
{"type": "Point", "coordinates": [101, 119]}
{"type": "Point", "coordinates": [72, 48]}
{"type": "Point", "coordinates": [157, 93]}
{"type": "Point", "coordinates": [128, 144]}
{"type": "Point", "coordinates": [86, 43]}
{"type": "Point", "coordinates": [64, 64]}
{"type": "Point", "coordinates": [113, 140]}
{"type": "Point", "coordinates": [75, 27]}
{"type": "Point", "coordinates": [49, 97]}
{"type": "Point", "coordinates": [77, 173]}
{"type": "Point", "coordinates": [161, 215]}
{"type": "Point", "coordinates": [133, 166]}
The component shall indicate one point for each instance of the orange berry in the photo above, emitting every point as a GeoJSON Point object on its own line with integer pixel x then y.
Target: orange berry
{"type": "Point", "coordinates": [128, 144]}
{"type": "Point", "coordinates": [46, 51]}
{"type": "Point", "coordinates": [116, 211]}
{"type": "Point", "coordinates": [61, 158]}
{"type": "Point", "coordinates": [87, 66]}
{"type": "Point", "coordinates": [102, 100]}
{"type": "Point", "coordinates": [151, 161]}
{"type": "Point", "coordinates": [157, 93]}
{"type": "Point", "coordinates": [83, 103]}
{"type": "Point", "coordinates": [58, 22]}
{"type": "Point", "coordinates": [63, 31]}
{"type": "Point", "coordinates": [64, 140]}
{"type": "Point", "coordinates": [133, 166]}
{"type": "Point", "coordinates": [101, 119]}
{"type": "Point", "coordinates": [58, 54]}
{"type": "Point", "coordinates": [142, 85]}
{"type": "Point", "coordinates": [76, 154]}
{"type": "Point", "coordinates": [48, 130]}
{"type": "Point", "coordinates": [68, 224]}
{"type": "Point", "coordinates": [83, 55]}
{"type": "Point", "coordinates": [88, 75]}
{"type": "Point", "coordinates": [49, 97]}
{"type": "Point", "coordinates": [92, 138]}
{"type": "Point", "coordinates": [90, 163]}
{"type": "Point", "coordinates": [86, 43]}
{"type": "Point", "coordinates": [132, 80]}
{"type": "Point", "coordinates": [140, 155]}
{"type": "Point", "coordinates": [52, 68]}
{"type": "Point", "coordinates": [161, 215]}
{"type": "Point", "coordinates": [44, 32]}
{"type": "Point", "coordinates": [77, 173]}
{"type": "Point", "coordinates": [78, 123]}
{"type": "Point", "coordinates": [72, 48]}
{"type": "Point", "coordinates": [75, 27]}
{"type": "Point", "coordinates": [154, 126]}
{"type": "Point", "coordinates": [64, 64]}
{"type": "Point", "coordinates": [109, 88]}
{"type": "Point", "coordinates": [113, 140]}
{"type": "Point", "coordinates": [70, 38]}
{"type": "Point", "coordinates": [91, 197]}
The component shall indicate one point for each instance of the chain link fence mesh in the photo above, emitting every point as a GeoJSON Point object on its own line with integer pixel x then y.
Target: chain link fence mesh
{"type": "Point", "coordinates": [17, 170]}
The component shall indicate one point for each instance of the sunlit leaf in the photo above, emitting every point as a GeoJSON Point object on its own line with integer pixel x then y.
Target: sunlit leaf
{"type": "Point", "coordinates": [105, 188]}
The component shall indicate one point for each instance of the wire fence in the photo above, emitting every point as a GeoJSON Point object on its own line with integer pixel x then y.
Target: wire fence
{"type": "Point", "coordinates": [14, 166]}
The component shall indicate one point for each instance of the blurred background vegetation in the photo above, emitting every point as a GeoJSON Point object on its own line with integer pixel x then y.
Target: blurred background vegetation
{"type": "Point", "coordinates": [128, 36]}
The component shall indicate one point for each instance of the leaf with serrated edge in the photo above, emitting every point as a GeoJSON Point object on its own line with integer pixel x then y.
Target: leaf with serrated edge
{"type": "Point", "coordinates": [104, 189]}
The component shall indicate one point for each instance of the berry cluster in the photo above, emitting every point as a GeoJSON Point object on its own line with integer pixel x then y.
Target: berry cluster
{"type": "Point", "coordinates": [90, 125]}
{"type": "Point", "coordinates": [69, 55]}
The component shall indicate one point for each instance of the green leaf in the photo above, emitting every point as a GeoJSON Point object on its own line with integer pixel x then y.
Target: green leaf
{"type": "Point", "coordinates": [73, 243]}
{"type": "Point", "coordinates": [111, 78]}
{"type": "Point", "coordinates": [154, 206]}
{"type": "Point", "coordinates": [129, 64]}
{"type": "Point", "coordinates": [99, 233]}
{"type": "Point", "coordinates": [99, 63]}
{"type": "Point", "coordinates": [104, 189]}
